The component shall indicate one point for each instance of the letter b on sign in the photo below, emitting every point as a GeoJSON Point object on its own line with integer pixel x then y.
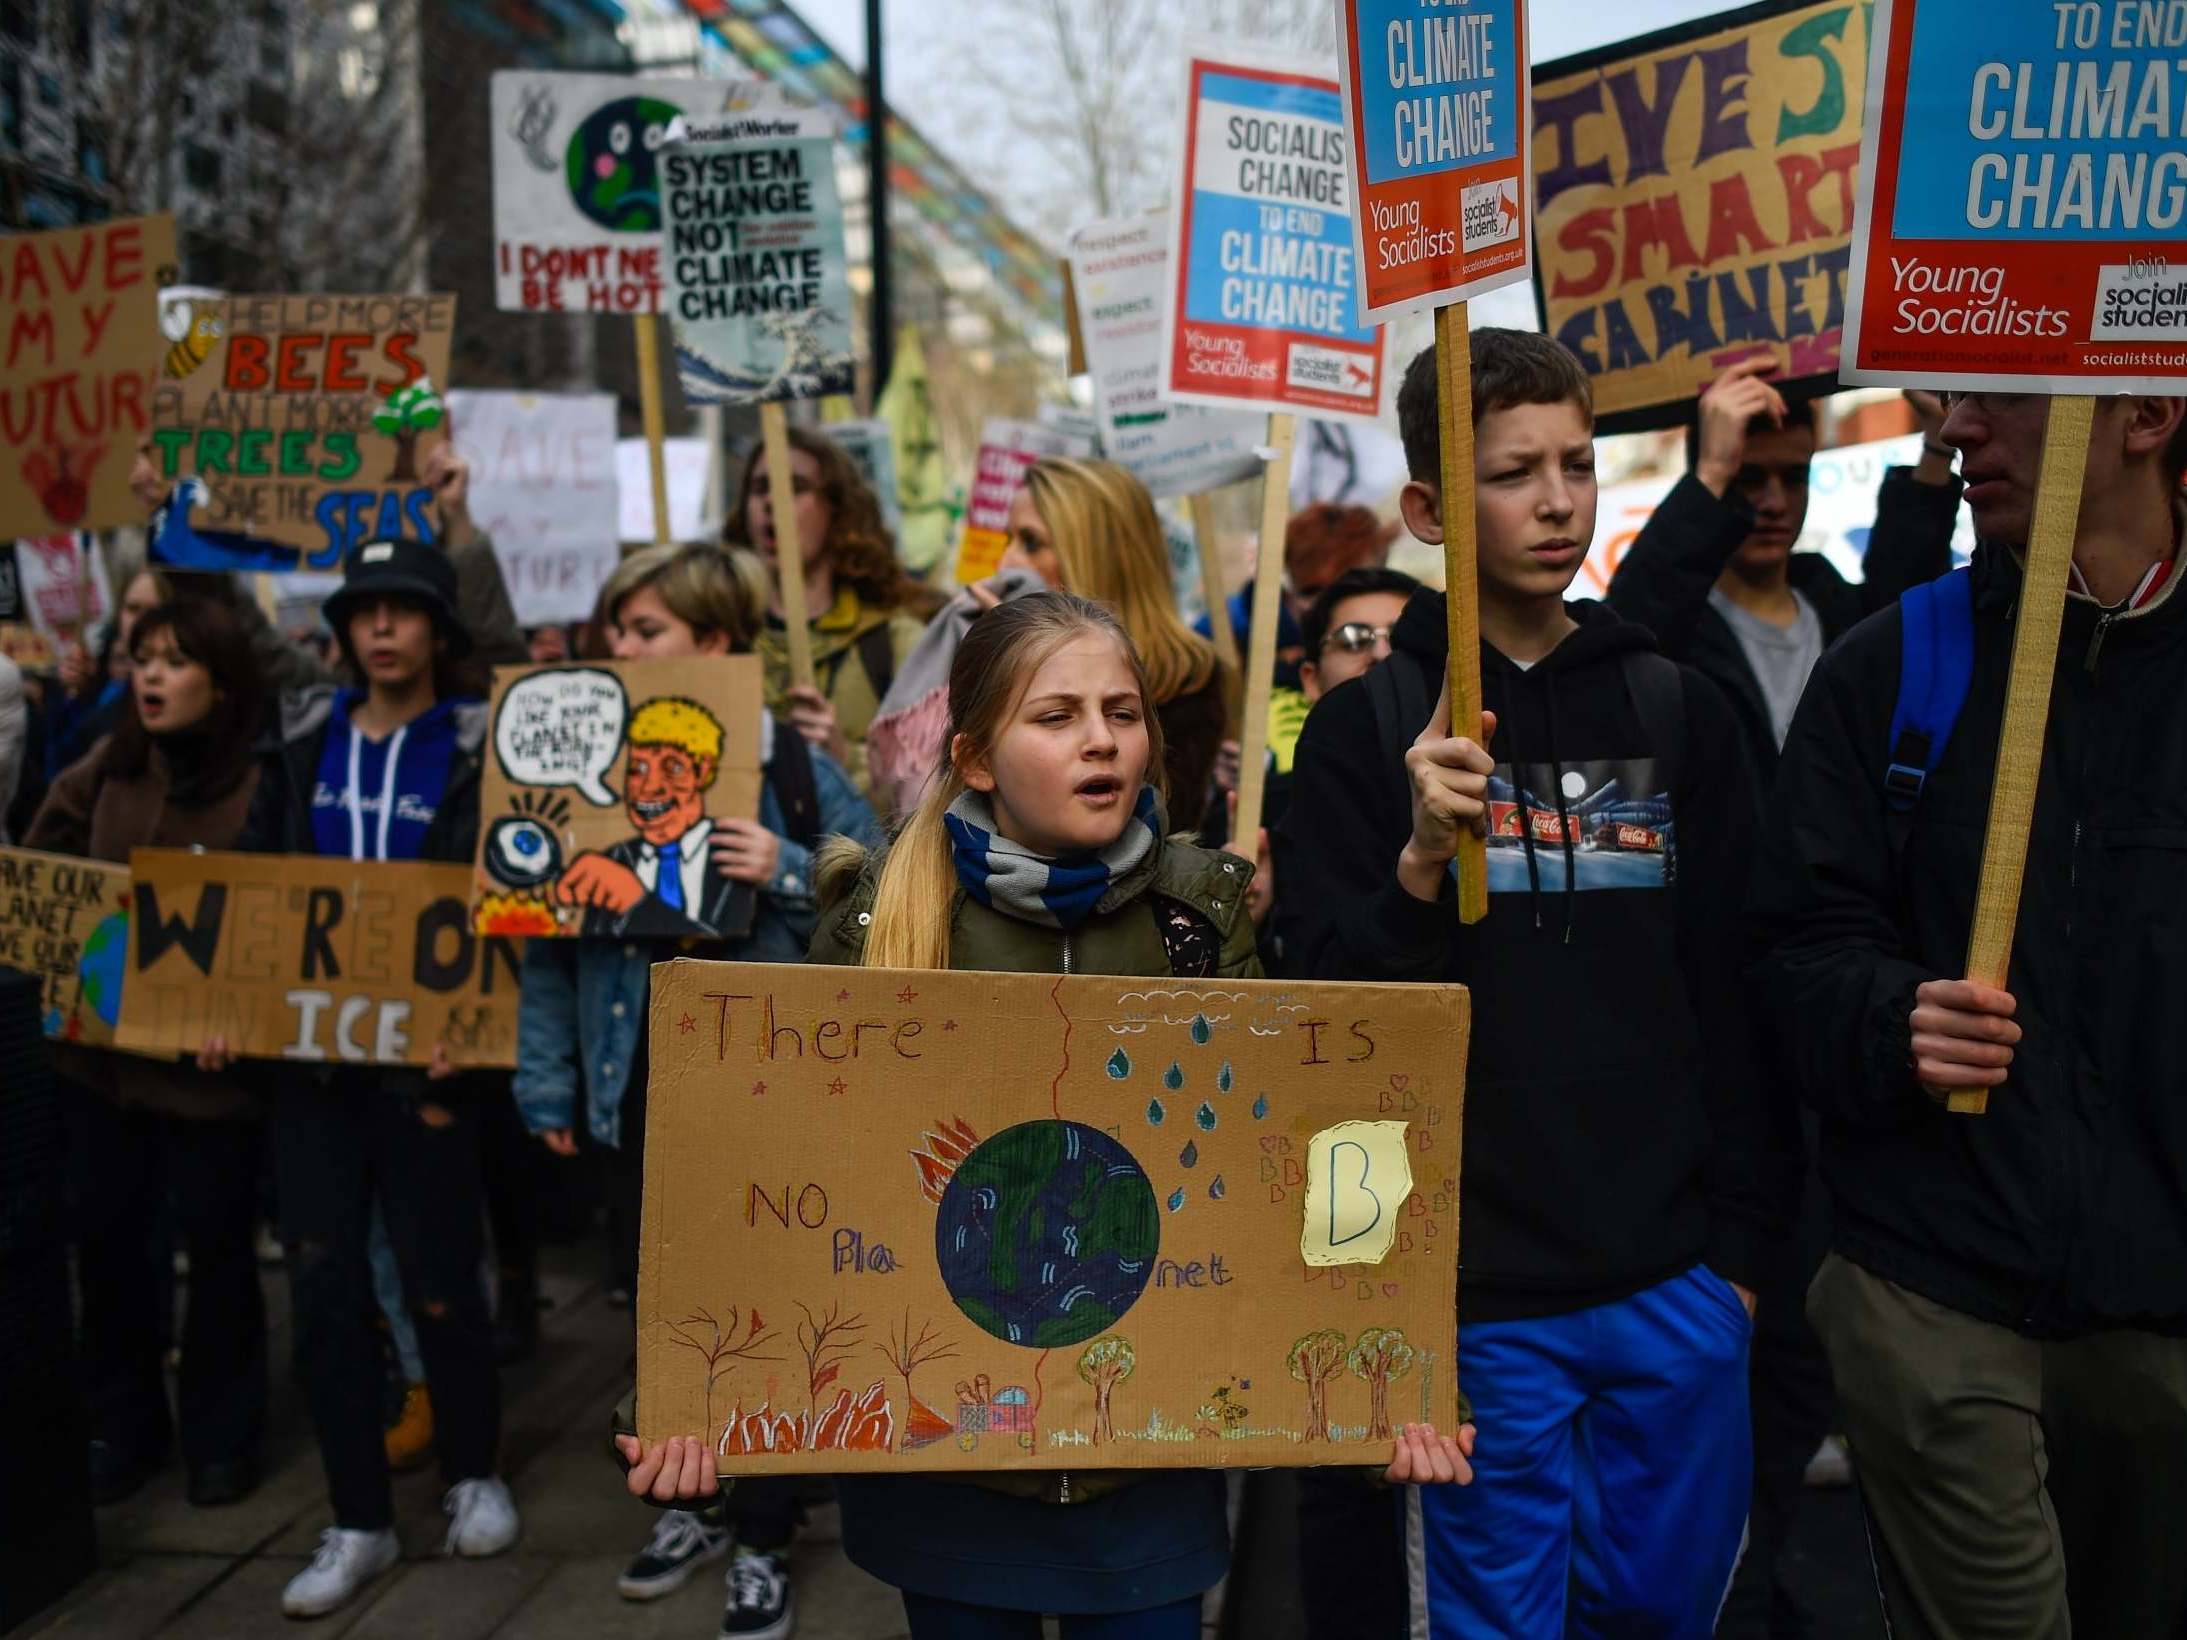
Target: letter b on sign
{"type": "Point", "coordinates": [1357, 1178]}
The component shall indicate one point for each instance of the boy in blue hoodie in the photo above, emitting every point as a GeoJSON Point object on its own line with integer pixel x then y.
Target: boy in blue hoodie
{"type": "Point", "coordinates": [1621, 1179]}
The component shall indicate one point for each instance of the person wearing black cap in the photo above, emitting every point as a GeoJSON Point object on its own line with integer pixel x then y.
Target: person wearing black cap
{"type": "Point", "coordinates": [389, 771]}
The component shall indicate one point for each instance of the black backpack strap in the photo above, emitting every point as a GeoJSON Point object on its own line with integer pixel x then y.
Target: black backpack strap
{"type": "Point", "coordinates": [797, 789]}
{"type": "Point", "coordinates": [1658, 694]}
{"type": "Point", "coordinates": [877, 654]}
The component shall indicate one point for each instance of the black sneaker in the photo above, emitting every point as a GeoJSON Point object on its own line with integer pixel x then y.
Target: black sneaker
{"type": "Point", "coordinates": [681, 1543]}
{"type": "Point", "coordinates": [762, 1605]}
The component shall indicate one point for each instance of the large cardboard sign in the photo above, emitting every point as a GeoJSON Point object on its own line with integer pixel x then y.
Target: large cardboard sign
{"type": "Point", "coordinates": [67, 921]}
{"type": "Point", "coordinates": [902, 1220]}
{"type": "Point", "coordinates": [81, 307]}
{"type": "Point", "coordinates": [1693, 201]}
{"type": "Point", "coordinates": [1435, 119]}
{"type": "Point", "coordinates": [300, 426]}
{"type": "Point", "coordinates": [1007, 450]}
{"type": "Point", "coordinates": [604, 793]}
{"type": "Point", "coordinates": [2022, 220]}
{"type": "Point", "coordinates": [1264, 283]}
{"type": "Point", "coordinates": [543, 486]}
{"type": "Point", "coordinates": [758, 288]}
{"type": "Point", "coordinates": [577, 195]}
{"type": "Point", "coordinates": [290, 956]}
{"type": "Point", "coordinates": [1119, 279]}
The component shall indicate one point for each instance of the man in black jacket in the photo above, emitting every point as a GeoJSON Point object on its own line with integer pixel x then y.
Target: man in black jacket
{"type": "Point", "coordinates": [1621, 1188]}
{"type": "Point", "coordinates": [2005, 1299]}
{"type": "Point", "coordinates": [1714, 577]}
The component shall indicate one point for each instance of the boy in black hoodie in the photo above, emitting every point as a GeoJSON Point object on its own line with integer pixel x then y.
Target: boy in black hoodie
{"type": "Point", "coordinates": [1622, 1171]}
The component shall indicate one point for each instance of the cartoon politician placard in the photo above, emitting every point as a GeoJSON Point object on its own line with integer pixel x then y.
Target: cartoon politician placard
{"type": "Point", "coordinates": [606, 787]}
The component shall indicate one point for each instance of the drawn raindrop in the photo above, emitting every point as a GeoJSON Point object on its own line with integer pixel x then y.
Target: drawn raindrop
{"type": "Point", "coordinates": [1223, 1079]}
{"type": "Point", "coordinates": [1155, 1113]}
{"type": "Point", "coordinates": [1205, 1116]}
{"type": "Point", "coordinates": [1174, 1077]}
{"type": "Point", "coordinates": [1201, 1031]}
{"type": "Point", "coordinates": [1260, 1107]}
{"type": "Point", "coordinates": [1177, 1198]}
{"type": "Point", "coordinates": [1215, 1190]}
{"type": "Point", "coordinates": [1120, 1064]}
{"type": "Point", "coordinates": [1190, 1155]}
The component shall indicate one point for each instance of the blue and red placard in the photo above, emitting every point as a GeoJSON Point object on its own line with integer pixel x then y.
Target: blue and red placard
{"type": "Point", "coordinates": [2021, 223]}
{"type": "Point", "coordinates": [1436, 107]}
{"type": "Point", "coordinates": [1263, 267]}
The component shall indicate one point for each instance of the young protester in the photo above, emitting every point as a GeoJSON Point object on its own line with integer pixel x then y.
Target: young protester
{"type": "Point", "coordinates": [1055, 768]}
{"type": "Point", "coordinates": [1714, 576]}
{"type": "Point", "coordinates": [389, 771]}
{"type": "Point", "coordinates": [178, 771]}
{"type": "Point", "coordinates": [1090, 528]}
{"type": "Point", "coordinates": [1621, 1167]}
{"type": "Point", "coordinates": [2005, 1297]}
{"type": "Point", "coordinates": [863, 611]}
{"type": "Point", "coordinates": [581, 1024]}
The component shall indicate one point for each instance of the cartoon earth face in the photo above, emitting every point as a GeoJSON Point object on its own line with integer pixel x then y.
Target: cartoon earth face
{"type": "Point", "coordinates": [1047, 1234]}
{"type": "Point", "coordinates": [99, 963]}
{"type": "Point", "coordinates": [610, 163]}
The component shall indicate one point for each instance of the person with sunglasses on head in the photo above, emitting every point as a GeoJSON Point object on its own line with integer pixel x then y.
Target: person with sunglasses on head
{"type": "Point", "coordinates": [1715, 577]}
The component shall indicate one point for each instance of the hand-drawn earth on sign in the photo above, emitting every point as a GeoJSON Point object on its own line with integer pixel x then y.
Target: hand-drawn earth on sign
{"type": "Point", "coordinates": [1112, 1176]}
{"type": "Point", "coordinates": [612, 173]}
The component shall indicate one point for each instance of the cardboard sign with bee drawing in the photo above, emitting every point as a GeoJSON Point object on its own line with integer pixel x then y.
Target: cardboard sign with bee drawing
{"type": "Point", "coordinates": [613, 797]}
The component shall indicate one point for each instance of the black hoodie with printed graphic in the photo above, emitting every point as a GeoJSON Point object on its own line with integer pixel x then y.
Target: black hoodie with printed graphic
{"type": "Point", "coordinates": [1618, 1125]}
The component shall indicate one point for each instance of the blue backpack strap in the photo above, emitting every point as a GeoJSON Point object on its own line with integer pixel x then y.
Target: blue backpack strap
{"type": "Point", "coordinates": [1936, 665]}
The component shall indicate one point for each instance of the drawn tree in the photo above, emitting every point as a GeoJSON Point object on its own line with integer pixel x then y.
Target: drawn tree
{"type": "Point", "coordinates": [1381, 1355]}
{"type": "Point", "coordinates": [906, 1355]}
{"type": "Point", "coordinates": [826, 1342]}
{"type": "Point", "coordinates": [721, 1347]}
{"type": "Point", "coordinates": [1106, 1363]}
{"type": "Point", "coordinates": [1315, 1359]}
{"type": "Point", "coordinates": [408, 412]}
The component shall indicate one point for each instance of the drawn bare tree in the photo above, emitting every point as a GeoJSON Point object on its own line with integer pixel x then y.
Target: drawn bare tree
{"type": "Point", "coordinates": [720, 1346]}
{"type": "Point", "coordinates": [826, 1343]}
{"type": "Point", "coordinates": [905, 1355]}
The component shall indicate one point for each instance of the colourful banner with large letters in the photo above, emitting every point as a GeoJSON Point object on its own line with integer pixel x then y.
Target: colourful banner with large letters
{"type": "Point", "coordinates": [1694, 201]}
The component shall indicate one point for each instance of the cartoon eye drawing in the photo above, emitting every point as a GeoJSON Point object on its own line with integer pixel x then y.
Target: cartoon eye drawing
{"type": "Point", "coordinates": [521, 852]}
{"type": "Point", "coordinates": [619, 139]}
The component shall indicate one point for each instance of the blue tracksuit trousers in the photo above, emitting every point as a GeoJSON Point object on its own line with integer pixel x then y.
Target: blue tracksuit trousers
{"type": "Point", "coordinates": [1612, 1468]}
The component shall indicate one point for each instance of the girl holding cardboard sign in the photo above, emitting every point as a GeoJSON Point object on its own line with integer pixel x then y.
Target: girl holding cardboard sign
{"type": "Point", "coordinates": [1044, 849]}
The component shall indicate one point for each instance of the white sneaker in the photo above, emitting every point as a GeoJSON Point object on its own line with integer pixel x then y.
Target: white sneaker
{"type": "Point", "coordinates": [344, 1563]}
{"type": "Point", "coordinates": [482, 1517]}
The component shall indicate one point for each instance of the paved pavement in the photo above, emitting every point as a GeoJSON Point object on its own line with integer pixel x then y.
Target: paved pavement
{"type": "Point", "coordinates": [179, 1573]}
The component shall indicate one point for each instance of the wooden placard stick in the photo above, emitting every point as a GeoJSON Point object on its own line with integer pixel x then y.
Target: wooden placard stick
{"type": "Point", "coordinates": [1211, 590]}
{"type": "Point", "coordinates": [1461, 583]}
{"type": "Point", "coordinates": [1260, 663]}
{"type": "Point", "coordinates": [774, 429]}
{"type": "Point", "coordinates": [2027, 702]}
{"type": "Point", "coordinates": [656, 421]}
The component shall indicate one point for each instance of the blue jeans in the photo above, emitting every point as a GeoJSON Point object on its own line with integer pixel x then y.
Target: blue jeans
{"type": "Point", "coordinates": [933, 1619]}
{"type": "Point", "coordinates": [1612, 1472]}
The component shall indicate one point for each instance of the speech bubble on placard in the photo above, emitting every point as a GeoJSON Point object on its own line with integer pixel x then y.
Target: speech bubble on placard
{"type": "Point", "coordinates": [563, 728]}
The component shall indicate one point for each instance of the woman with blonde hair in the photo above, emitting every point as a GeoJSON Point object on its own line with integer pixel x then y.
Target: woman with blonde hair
{"type": "Point", "coordinates": [1043, 849]}
{"type": "Point", "coordinates": [580, 1026]}
{"type": "Point", "coordinates": [863, 611]}
{"type": "Point", "coordinates": [1090, 528]}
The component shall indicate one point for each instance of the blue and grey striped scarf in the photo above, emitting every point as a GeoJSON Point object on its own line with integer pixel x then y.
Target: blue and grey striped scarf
{"type": "Point", "coordinates": [1007, 877]}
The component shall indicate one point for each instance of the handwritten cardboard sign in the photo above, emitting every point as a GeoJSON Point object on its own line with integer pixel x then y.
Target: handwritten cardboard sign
{"type": "Point", "coordinates": [1119, 280]}
{"type": "Point", "coordinates": [604, 791]}
{"type": "Point", "coordinates": [758, 288]}
{"type": "Point", "coordinates": [577, 190]}
{"type": "Point", "coordinates": [81, 308]}
{"type": "Point", "coordinates": [291, 956]}
{"type": "Point", "coordinates": [301, 426]}
{"type": "Point", "coordinates": [2022, 214]}
{"type": "Point", "coordinates": [1694, 201]}
{"type": "Point", "coordinates": [1264, 281]}
{"type": "Point", "coordinates": [903, 1221]}
{"type": "Point", "coordinates": [67, 921]}
{"type": "Point", "coordinates": [543, 486]}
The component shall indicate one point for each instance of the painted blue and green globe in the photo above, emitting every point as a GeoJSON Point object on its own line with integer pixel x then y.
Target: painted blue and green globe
{"type": "Point", "coordinates": [609, 163]}
{"type": "Point", "coordinates": [100, 964]}
{"type": "Point", "coordinates": [1047, 1234]}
